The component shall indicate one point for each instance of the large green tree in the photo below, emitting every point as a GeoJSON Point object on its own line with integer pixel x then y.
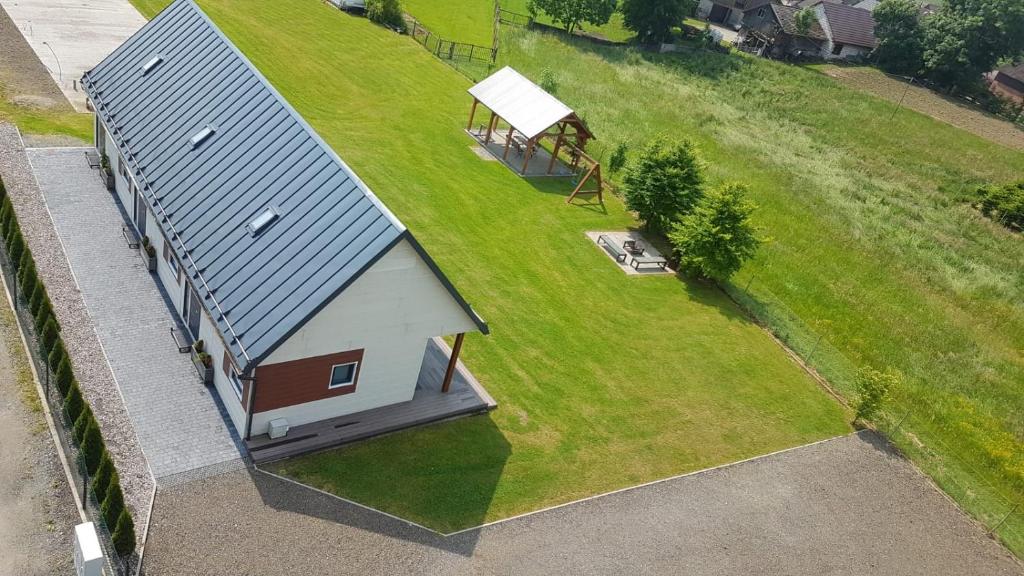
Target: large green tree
{"type": "Point", "coordinates": [900, 36]}
{"type": "Point", "coordinates": [653, 20]}
{"type": "Point", "coordinates": [967, 38]}
{"type": "Point", "coordinates": [571, 13]}
{"type": "Point", "coordinates": [663, 183]}
{"type": "Point", "coordinates": [716, 238]}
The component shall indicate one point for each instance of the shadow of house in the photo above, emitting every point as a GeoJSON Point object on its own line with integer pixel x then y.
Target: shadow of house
{"type": "Point", "coordinates": [421, 490]}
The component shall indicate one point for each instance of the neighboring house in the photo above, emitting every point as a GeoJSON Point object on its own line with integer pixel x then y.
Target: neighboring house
{"type": "Point", "coordinates": [727, 12]}
{"type": "Point", "coordinates": [838, 32]}
{"type": "Point", "coordinates": [312, 298]}
{"type": "Point", "coordinates": [1008, 82]}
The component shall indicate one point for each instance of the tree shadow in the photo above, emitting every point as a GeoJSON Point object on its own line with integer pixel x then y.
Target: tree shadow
{"type": "Point", "coordinates": [563, 186]}
{"type": "Point", "coordinates": [460, 478]}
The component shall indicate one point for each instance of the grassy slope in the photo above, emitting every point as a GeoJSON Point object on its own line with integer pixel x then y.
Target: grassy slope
{"type": "Point", "coordinates": [38, 121]}
{"type": "Point", "coordinates": [602, 380]}
{"type": "Point", "coordinates": [871, 247]}
{"type": "Point", "coordinates": [472, 21]}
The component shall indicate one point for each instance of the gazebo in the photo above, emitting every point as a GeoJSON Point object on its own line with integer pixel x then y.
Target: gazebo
{"type": "Point", "coordinates": [533, 114]}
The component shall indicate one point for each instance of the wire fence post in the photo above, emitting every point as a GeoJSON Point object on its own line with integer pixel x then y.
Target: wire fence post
{"type": "Point", "coordinates": [900, 423]}
{"type": "Point", "coordinates": [749, 282]}
{"type": "Point", "coordinates": [814, 348]}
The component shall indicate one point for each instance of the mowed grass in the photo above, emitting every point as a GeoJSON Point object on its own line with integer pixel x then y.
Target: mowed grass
{"type": "Point", "coordinates": [33, 120]}
{"type": "Point", "coordinates": [872, 249]}
{"type": "Point", "coordinates": [602, 380]}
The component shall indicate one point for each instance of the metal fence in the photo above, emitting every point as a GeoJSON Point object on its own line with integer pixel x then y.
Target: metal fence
{"type": "Point", "coordinates": [921, 431]}
{"type": "Point", "coordinates": [79, 473]}
{"type": "Point", "coordinates": [450, 49]}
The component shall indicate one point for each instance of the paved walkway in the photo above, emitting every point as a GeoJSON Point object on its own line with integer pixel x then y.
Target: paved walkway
{"type": "Point", "coordinates": [844, 506]}
{"type": "Point", "coordinates": [72, 36]}
{"type": "Point", "coordinates": [178, 421]}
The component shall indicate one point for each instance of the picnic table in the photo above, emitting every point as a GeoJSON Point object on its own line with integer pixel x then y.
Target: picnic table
{"type": "Point", "coordinates": [615, 249]}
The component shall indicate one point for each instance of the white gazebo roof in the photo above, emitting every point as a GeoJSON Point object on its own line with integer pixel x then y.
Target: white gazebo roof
{"type": "Point", "coordinates": [520, 102]}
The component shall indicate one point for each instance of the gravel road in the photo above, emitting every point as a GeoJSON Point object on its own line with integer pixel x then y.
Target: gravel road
{"type": "Point", "coordinates": [37, 511]}
{"type": "Point", "coordinates": [847, 506]}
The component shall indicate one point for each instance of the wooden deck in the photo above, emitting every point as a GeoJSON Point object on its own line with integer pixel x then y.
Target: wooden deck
{"type": "Point", "coordinates": [428, 404]}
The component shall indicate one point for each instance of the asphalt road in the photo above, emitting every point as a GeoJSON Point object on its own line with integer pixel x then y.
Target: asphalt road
{"type": "Point", "coordinates": [844, 506]}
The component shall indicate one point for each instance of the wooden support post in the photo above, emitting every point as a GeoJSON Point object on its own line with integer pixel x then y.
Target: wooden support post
{"type": "Point", "coordinates": [472, 114]}
{"type": "Point", "coordinates": [529, 152]}
{"type": "Point", "coordinates": [452, 362]}
{"type": "Point", "coordinates": [558, 145]}
{"type": "Point", "coordinates": [490, 128]}
{"type": "Point", "coordinates": [508, 142]}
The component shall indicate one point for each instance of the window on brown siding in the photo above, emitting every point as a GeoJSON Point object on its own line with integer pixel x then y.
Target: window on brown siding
{"type": "Point", "coordinates": [343, 375]}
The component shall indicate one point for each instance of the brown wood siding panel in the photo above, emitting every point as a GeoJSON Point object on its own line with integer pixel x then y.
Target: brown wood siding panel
{"type": "Point", "coordinates": [300, 381]}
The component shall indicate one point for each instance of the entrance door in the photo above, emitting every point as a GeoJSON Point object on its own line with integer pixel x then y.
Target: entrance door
{"type": "Point", "coordinates": [140, 211]}
{"type": "Point", "coordinates": [718, 13]}
{"type": "Point", "coordinates": [192, 312]}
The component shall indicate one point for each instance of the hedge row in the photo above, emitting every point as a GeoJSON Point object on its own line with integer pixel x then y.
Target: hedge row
{"type": "Point", "coordinates": [85, 430]}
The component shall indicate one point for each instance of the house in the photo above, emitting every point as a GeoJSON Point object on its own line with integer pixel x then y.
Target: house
{"type": "Point", "coordinates": [726, 12]}
{"type": "Point", "coordinates": [312, 298]}
{"type": "Point", "coordinates": [839, 31]}
{"type": "Point", "coordinates": [1008, 82]}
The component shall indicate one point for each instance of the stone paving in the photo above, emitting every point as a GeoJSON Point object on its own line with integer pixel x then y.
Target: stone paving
{"type": "Point", "coordinates": [179, 422]}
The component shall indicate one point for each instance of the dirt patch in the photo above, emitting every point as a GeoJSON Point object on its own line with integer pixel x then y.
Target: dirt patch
{"type": "Point", "coordinates": [37, 512]}
{"type": "Point", "coordinates": [24, 81]}
{"type": "Point", "coordinates": [923, 100]}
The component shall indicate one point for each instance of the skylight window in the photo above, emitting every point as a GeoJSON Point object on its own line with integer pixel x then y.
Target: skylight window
{"type": "Point", "coordinates": [202, 136]}
{"type": "Point", "coordinates": [262, 221]}
{"type": "Point", "coordinates": [148, 66]}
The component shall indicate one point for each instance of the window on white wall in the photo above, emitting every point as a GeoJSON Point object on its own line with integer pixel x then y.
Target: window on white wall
{"type": "Point", "coordinates": [343, 375]}
{"type": "Point", "coordinates": [236, 382]}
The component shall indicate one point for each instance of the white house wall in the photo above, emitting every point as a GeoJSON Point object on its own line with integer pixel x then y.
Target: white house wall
{"type": "Point", "coordinates": [390, 312]}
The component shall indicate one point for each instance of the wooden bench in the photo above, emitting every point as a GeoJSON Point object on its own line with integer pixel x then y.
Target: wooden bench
{"type": "Point", "coordinates": [181, 340]}
{"type": "Point", "coordinates": [615, 249]}
{"type": "Point", "coordinates": [656, 260]}
{"type": "Point", "coordinates": [130, 236]}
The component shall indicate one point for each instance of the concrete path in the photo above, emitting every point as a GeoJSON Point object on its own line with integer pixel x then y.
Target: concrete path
{"type": "Point", "coordinates": [179, 423]}
{"type": "Point", "coordinates": [844, 506]}
{"type": "Point", "coordinates": [72, 36]}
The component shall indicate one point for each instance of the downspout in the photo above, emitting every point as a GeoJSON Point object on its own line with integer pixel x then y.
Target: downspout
{"type": "Point", "coordinates": [252, 405]}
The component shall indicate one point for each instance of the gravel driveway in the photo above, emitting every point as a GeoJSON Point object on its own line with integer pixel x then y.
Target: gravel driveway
{"type": "Point", "coordinates": [844, 506]}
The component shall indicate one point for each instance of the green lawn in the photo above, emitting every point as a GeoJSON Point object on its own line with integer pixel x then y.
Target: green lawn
{"type": "Point", "coordinates": [31, 120]}
{"type": "Point", "coordinates": [872, 249]}
{"type": "Point", "coordinates": [602, 380]}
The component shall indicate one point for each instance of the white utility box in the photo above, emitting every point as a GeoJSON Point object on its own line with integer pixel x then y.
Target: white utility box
{"type": "Point", "coordinates": [88, 553]}
{"type": "Point", "coordinates": [278, 428]}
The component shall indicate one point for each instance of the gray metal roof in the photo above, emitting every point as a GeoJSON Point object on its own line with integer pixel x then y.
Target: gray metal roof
{"type": "Point", "coordinates": [258, 288]}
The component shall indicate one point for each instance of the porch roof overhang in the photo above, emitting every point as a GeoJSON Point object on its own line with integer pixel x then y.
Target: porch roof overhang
{"type": "Point", "coordinates": [527, 107]}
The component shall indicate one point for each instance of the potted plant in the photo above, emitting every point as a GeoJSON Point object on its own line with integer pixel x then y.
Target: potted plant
{"type": "Point", "coordinates": [148, 253]}
{"type": "Point", "coordinates": [105, 174]}
{"type": "Point", "coordinates": [203, 362]}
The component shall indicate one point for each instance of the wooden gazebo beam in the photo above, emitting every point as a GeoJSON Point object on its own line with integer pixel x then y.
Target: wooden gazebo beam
{"type": "Point", "coordinates": [452, 363]}
{"type": "Point", "coordinates": [472, 113]}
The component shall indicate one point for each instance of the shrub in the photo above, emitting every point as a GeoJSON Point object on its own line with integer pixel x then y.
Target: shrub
{"type": "Point", "coordinates": [124, 534]}
{"type": "Point", "coordinates": [64, 377]}
{"type": "Point", "coordinates": [36, 301]}
{"type": "Point", "coordinates": [653, 20]}
{"type": "Point", "coordinates": [101, 480]}
{"type": "Point", "coordinates": [25, 265]}
{"type": "Point", "coordinates": [16, 247]}
{"type": "Point", "coordinates": [618, 158]}
{"type": "Point", "coordinates": [45, 314]}
{"type": "Point", "coordinates": [548, 81]}
{"type": "Point", "coordinates": [82, 424]}
{"type": "Point", "coordinates": [663, 183]}
{"type": "Point", "coordinates": [48, 337]}
{"type": "Point", "coordinates": [92, 447]}
{"type": "Point", "coordinates": [715, 240]}
{"type": "Point", "coordinates": [570, 14]}
{"type": "Point", "coordinates": [74, 403]}
{"type": "Point", "coordinates": [1005, 203]}
{"type": "Point", "coordinates": [57, 355]}
{"type": "Point", "coordinates": [873, 387]}
{"type": "Point", "coordinates": [386, 13]}
{"type": "Point", "coordinates": [27, 277]}
{"type": "Point", "coordinates": [113, 504]}
{"type": "Point", "coordinates": [11, 229]}
{"type": "Point", "coordinates": [6, 215]}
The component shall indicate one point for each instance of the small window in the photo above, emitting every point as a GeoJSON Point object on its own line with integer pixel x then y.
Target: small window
{"type": "Point", "coordinates": [837, 49]}
{"type": "Point", "coordinates": [202, 136]}
{"type": "Point", "coordinates": [148, 66]}
{"type": "Point", "coordinates": [760, 12]}
{"type": "Point", "coordinates": [236, 382]}
{"type": "Point", "coordinates": [264, 219]}
{"type": "Point", "coordinates": [172, 261]}
{"type": "Point", "coordinates": [343, 375]}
